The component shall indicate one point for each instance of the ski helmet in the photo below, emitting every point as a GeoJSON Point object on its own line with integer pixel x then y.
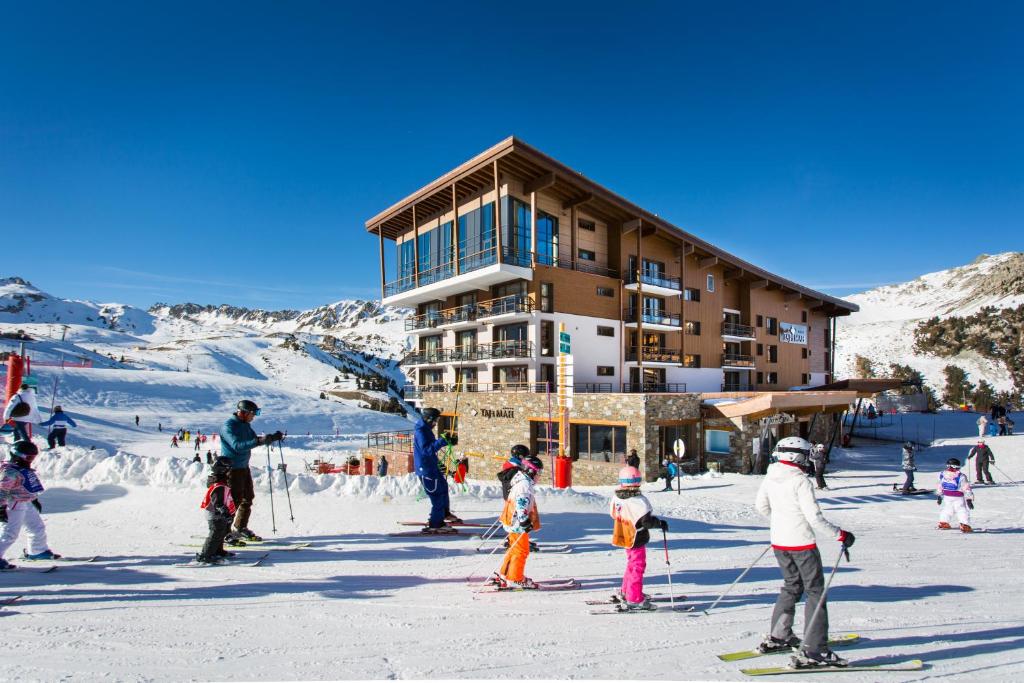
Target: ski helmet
{"type": "Point", "coordinates": [630, 478]}
{"type": "Point", "coordinates": [23, 450]}
{"type": "Point", "coordinates": [519, 451]}
{"type": "Point", "coordinates": [247, 406]}
{"type": "Point", "coordinates": [953, 464]}
{"type": "Point", "coordinates": [532, 465]}
{"type": "Point", "coordinates": [431, 415]}
{"type": "Point", "coordinates": [793, 449]}
{"type": "Point", "coordinates": [221, 467]}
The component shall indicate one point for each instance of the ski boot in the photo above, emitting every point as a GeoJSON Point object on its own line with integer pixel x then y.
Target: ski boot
{"type": "Point", "coordinates": [966, 528]}
{"type": "Point", "coordinates": [534, 548]}
{"type": "Point", "coordinates": [526, 584]}
{"type": "Point", "coordinates": [944, 525]}
{"type": "Point", "coordinates": [772, 644]}
{"type": "Point", "coordinates": [620, 599]}
{"type": "Point", "coordinates": [6, 566]}
{"type": "Point", "coordinates": [45, 555]}
{"type": "Point", "coordinates": [808, 660]}
{"type": "Point", "coordinates": [452, 519]}
{"type": "Point", "coordinates": [234, 539]}
{"type": "Point", "coordinates": [209, 560]}
{"type": "Point", "coordinates": [226, 554]}
{"type": "Point", "coordinates": [438, 530]}
{"type": "Point", "coordinates": [247, 535]}
{"type": "Point", "coordinates": [644, 605]}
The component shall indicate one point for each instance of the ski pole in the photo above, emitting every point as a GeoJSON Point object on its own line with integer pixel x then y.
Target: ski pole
{"type": "Point", "coordinates": [484, 583]}
{"type": "Point", "coordinates": [1011, 480]}
{"type": "Point", "coordinates": [824, 594]}
{"type": "Point", "coordinates": [487, 533]}
{"type": "Point", "coordinates": [477, 566]}
{"type": "Point", "coordinates": [668, 569]}
{"type": "Point", "coordinates": [284, 471]}
{"type": "Point", "coordinates": [738, 579]}
{"type": "Point", "coordinates": [270, 486]}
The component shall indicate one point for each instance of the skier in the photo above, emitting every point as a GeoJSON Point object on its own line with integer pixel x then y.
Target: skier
{"type": "Point", "coordinates": [519, 518]}
{"type": "Point", "coordinates": [817, 459]}
{"type": "Point", "coordinates": [382, 466]}
{"type": "Point", "coordinates": [669, 470]}
{"type": "Point", "coordinates": [510, 468]}
{"type": "Point", "coordinates": [237, 439]}
{"type": "Point", "coordinates": [425, 450]}
{"type": "Point", "coordinates": [136, 420]}
{"type": "Point", "coordinates": [633, 517]}
{"type": "Point", "coordinates": [982, 423]}
{"type": "Point", "coordinates": [955, 496]}
{"type": "Point", "coordinates": [19, 504]}
{"type": "Point", "coordinates": [985, 456]}
{"type": "Point", "coordinates": [908, 467]}
{"type": "Point", "coordinates": [786, 497]}
{"type": "Point", "coordinates": [22, 409]}
{"type": "Point", "coordinates": [196, 458]}
{"type": "Point", "coordinates": [159, 426]}
{"type": "Point", "coordinates": [220, 510]}
{"type": "Point", "coordinates": [174, 441]}
{"type": "Point", "coordinates": [58, 424]}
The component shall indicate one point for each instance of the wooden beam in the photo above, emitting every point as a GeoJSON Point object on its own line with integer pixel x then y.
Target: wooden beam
{"type": "Point", "coordinates": [415, 249]}
{"type": "Point", "coordinates": [574, 220]}
{"type": "Point", "coordinates": [708, 262]}
{"type": "Point", "coordinates": [792, 296]}
{"type": "Point", "coordinates": [733, 274]}
{"type": "Point", "coordinates": [630, 226]}
{"type": "Point", "coordinates": [759, 284]}
{"type": "Point", "coordinates": [687, 249]}
{"type": "Point", "coordinates": [533, 229]}
{"type": "Point", "coordinates": [577, 200]}
{"type": "Point", "coordinates": [383, 276]}
{"type": "Point", "coordinates": [455, 227]}
{"type": "Point", "coordinates": [497, 209]}
{"type": "Point", "coordinates": [813, 303]}
{"type": "Point", "coordinates": [540, 183]}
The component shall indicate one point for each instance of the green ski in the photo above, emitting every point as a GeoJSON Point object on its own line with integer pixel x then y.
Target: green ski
{"type": "Point", "coordinates": [834, 641]}
{"type": "Point", "coordinates": [911, 665]}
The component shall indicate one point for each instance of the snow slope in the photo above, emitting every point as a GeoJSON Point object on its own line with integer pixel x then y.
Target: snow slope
{"type": "Point", "coordinates": [360, 604]}
{"type": "Point", "coordinates": [883, 330]}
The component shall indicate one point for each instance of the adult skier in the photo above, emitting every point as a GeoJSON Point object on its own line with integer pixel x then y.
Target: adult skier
{"type": "Point", "coordinates": [633, 516]}
{"type": "Point", "coordinates": [19, 504]}
{"type": "Point", "coordinates": [817, 459]}
{"type": "Point", "coordinates": [787, 498]}
{"type": "Point", "coordinates": [425, 448]}
{"type": "Point", "coordinates": [22, 409]}
{"type": "Point", "coordinates": [237, 439]}
{"type": "Point", "coordinates": [58, 424]}
{"type": "Point", "coordinates": [955, 496]}
{"type": "Point", "coordinates": [908, 467]}
{"type": "Point", "coordinates": [984, 456]}
{"type": "Point", "coordinates": [519, 518]}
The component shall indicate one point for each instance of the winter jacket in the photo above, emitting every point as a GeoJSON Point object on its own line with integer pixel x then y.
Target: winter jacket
{"type": "Point", "coordinates": [59, 420]}
{"type": "Point", "coordinates": [787, 497]}
{"type": "Point", "coordinates": [984, 454]}
{"type": "Point", "coordinates": [18, 483]}
{"type": "Point", "coordinates": [520, 507]}
{"type": "Point", "coordinates": [382, 467]}
{"type": "Point", "coordinates": [424, 451]}
{"type": "Point", "coordinates": [237, 439]}
{"type": "Point", "coordinates": [23, 396]}
{"type": "Point", "coordinates": [633, 516]}
{"type": "Point", "coordinates": [505, 476]}
{"type": "Point", "coordinates": [982, 421]}
{"type": "Point", "coordinates": [218, 503]}
{"type": "Point", "coordinates": [955, 484]}
{"type": "Point", "coordinates": [817, 457]}
{"type": "Point", "coordinates": [908, 460]}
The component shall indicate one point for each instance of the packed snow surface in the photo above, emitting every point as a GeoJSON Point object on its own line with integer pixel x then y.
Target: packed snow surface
{"type": "Point", "coordinates": [360, 603]}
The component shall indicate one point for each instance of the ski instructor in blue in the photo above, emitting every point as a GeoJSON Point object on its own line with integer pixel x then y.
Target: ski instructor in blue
{"type": "Point", "coordinates": [237, 439]}
{"type": "Point", "coordinates": [424, 449]}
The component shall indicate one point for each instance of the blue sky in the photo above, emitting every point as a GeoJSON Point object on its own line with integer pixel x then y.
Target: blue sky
{"type": "Point", "coordinates": [230, 152]}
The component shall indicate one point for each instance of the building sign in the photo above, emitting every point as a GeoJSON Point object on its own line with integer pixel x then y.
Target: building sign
{"type": "Point", "coordinates": [777, 419]}
{"type": "Point", "coordinates": [502, 413]}
{"type": "Point", "coordinates": [791, 333]}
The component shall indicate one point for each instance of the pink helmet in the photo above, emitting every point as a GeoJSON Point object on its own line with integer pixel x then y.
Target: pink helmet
{"type": "Point", "coordinates": [629, 477]}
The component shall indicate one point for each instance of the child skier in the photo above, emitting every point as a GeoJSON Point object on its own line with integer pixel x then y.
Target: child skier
{"type": "Point", "coordinates": [908, 467]}
{"type": "Point", "coordinates": [633, 517]}
{"type": "Point", "coordinates": [19, 504]}
{"type": "Point", "coordinates": [220, 512]}
{"type": "Point", "coordinates": [519, 518]}
{"type": "Point", "coordinates": [955, 496]}
{"type": "Point", "coordinates": [509, 469]}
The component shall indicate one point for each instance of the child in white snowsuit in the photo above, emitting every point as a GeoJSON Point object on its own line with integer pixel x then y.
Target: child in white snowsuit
{"type": "Point", "coordinates": [20, 506]}
{"type": "Point", "coordinates": [955, 496]}
{"type": "Point", "coordinates": [633, 517]}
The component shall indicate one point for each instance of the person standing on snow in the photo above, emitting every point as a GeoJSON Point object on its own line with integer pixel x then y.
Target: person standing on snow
{"type": "Point", "coordinates": [817, 459]}
{"type": "Point", "coordinates": [908, 467]}
{"type": "Point", "coordinates": [787, 499]}
{"type": "Point", "coordinates": [19, 504]}
{"type": "Point", "coordinates": [237, 439]}
{"type": "Point", "coordinates": [58, 424]}
{"type": "Point", "coordinates": [220, 510]}
{"type": "Point", "coordinates": [174, 441]}
{"type": "Point", "coordinates": [984, 456]}
{"type": "Point", "coordinates": [955, 497]}
{"type": "Point", "coordinates": [136, 420]}
{"type": "Point", "coordinates": [633, 517]}
{"type": "Point", "coordinates": [22, 409]}
{"type": "Point", "coordinates": [519, 518]}
{"type": "Point", "coordinates": [982, 423]}
{"type": "Point", "coordinates": [382, 466]}
{"type": "Point", "coordinates": [425, 449]}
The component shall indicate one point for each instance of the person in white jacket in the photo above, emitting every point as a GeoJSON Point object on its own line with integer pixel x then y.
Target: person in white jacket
{"type": "Point", "coordinates": [982, 425]}
{"type": "Point", "coordinates": [786, 497]}
{"type": "Point", "coordinates": [22, 409]}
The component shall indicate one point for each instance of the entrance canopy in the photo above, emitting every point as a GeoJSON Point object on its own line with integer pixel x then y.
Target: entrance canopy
{"type": "Point", "coordinates": [794, 403]}
{"type": "Point", "coordinates": [865, 388]}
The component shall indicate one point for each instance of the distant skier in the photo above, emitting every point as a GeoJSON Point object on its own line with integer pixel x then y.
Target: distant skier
{"type": "Point", "coordinates": [817, 459]}
{"type": "Point", "coordinates": [519, 518]}
{"type": "Point", "coordinates": [209, 457]}
{"type": "Point", "coordinates": [982, 423]}
{"type": "Point", "coordinates": [428, 469]}
{"type": "Point", "coordinates": [159, 426]}
{"type": "Point", "coordinates": [19, 504]}
{"type": "Point", "coordinates": [174, 441]}
{"type": "Point", "coordinates": [908, 467]}
{"type": "Point", "coordinates": [136, 420]}
{"type": "Point", "coordinates": [58, 424]}
{"type": "Point", "coordinates": [196, 458]}
{"type": "Point", "coordinates": [236, 444]}
{"type": "Point", "coordinates": [633, 517]}
{"type": "Point", "coordinates": [220, 510]}
{"type": "Point", "coordinates": [955, 496]}
{"type": "Point", "coordinates": [22, 409]}
{"type": "Point", "coordinates": [787, 498]}
{"type": "Point", "coordinates": [984, 456]}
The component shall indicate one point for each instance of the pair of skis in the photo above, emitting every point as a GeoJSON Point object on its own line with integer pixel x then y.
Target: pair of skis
{"type": "Point", "coordinates": [663, 604]}
{"type": "Point", "coordinates": [540, 586]}
{"type": "Point", "coordinates": [835, 641]}
{"type": "Point", "coordinates": [247, 562]}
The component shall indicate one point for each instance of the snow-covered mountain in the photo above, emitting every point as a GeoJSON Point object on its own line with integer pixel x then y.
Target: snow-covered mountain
{"type": "Point", "coordinates": [883, 330]}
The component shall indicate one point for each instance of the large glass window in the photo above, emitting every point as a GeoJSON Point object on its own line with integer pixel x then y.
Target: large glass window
{"type": "Point", "coordinates": [476, 238]}
{"type": "Point", "coordinates": [603, 443]}
{"type": "Point", "coordinates": [544, 437]}
{"type": "Point", "coordinates": [513, 376]}
{"type": "Point", "coordinates": [547, 337]}
{"type": "Point", "coordinates": [716, 440]}
{"type": "Point", "coordinates": [406, 259]}
{"type": "Point", "coordinates": [515, 230]}
{"type": "Point", "coordinates": [547, 239]}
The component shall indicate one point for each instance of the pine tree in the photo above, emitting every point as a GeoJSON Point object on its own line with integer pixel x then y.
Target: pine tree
{"type": "Point", "coordinates": [910, 376]}
{"type": "Point", "coordinates": [958, 389]}
{"type": "Point", "coordinates": [983, 396]}
{"type": "Point", "coordinates": [863, 367]}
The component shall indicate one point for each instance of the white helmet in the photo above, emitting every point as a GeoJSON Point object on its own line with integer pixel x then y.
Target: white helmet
{"type": "Point", "coordinates": [793, 449]}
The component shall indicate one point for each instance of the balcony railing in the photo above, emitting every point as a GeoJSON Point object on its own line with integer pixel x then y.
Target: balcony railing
{"type": "Point", "coordinates": [653, 318]}
{"type": "Point", "coordinates": [737, 330]}
{"type": "Point", "coordinates": [737, 360]}
{"type": "Point", "coordinates": [653, 388]}
{"type": "Point", "coordinates": [515, 303]}
{"type": "Point", "coordinates": [390, 441]}
{"type": "Point", "coordinates": [655, 279]}
{"type": "Point", "coordinates": [594, 388]}
{"type": "Point", "coordinates": [417, 391]}
{"type": "Point", "coordinates": [737, 386]}
{"type": "Point", "coordinates": [654, 354]}
{"type": "Point", "coordinates": [470, 353]}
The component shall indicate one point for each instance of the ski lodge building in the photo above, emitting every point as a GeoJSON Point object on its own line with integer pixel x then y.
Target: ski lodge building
{"type": "Point", "coordinates": [670, 336]}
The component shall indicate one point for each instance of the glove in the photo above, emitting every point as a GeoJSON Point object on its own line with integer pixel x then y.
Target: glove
{"type": "Point", "coordinates": [938, 500]}
{"type": "Point", "coordinates": [847, 538]}
{"type": "Point", "coordinates": [276, 436]}
{"type": "Point", "coordinates": [970, 504]}
{"type": "Point", "coordinates": [526, 526]}
{"type": "Point", "coordinates": [37, 505]}
{"type": "Point", "coordinates": [452, 439]}
{"type": "Point", "coordinates": [3, 514]}
{"type": "Point", "coordinates": [663, 523]}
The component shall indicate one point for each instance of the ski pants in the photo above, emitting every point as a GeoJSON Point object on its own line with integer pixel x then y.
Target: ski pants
{"type": "Point", "coordinates": [437, 490]}
{"type": "Point", "coordinates": [23, 514]}
{"type": "Point", "coordinates": [982, 428]}
{"type": "Point", "coordinates": [801, 573]}
{"type": "Point", "coordinates": [819, 475]}
{"type": "Point", "coordinates": [57, 437]}
{"type": "Point", "coordinates": [214, 545]}
{"type": "Point", "coordinates": [954, 506]}
{"type": "Point", "coordinates": [908, 485]}
{"type": "Point", "coordinates": [240, 483]}
{"type": "Point", "coordinates": [20, 431]}
{"type": "Point", "coordinates": [633, 578]}
{"type": "Point", "coordinates": [513, 566]}
{"type": "Point", "coordinates": [981, 471]}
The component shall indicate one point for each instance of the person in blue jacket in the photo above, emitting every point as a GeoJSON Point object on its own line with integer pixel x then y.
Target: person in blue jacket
{"type": "Point", "coordinates": [58, 424]}
{"type": "Point", "coordinates": [425, 448]}
{"type": "Point", "coordinates": [237, 439]}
